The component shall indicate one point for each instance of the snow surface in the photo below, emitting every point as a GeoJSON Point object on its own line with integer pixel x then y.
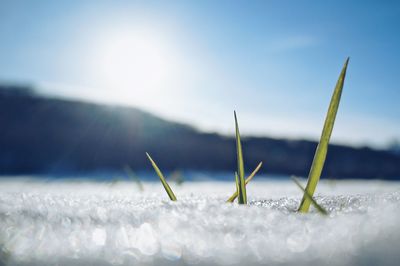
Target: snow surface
{"type": "Point", "coordinates": [92, 223]}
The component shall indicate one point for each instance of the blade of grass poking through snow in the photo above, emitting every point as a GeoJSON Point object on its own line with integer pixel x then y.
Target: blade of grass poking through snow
{"type": "Point", "coordinates": [313, 202]}
{"type": "Point", "coordinates": [322, 148]}
{"type": "Point", "coordinates": [237, 182]}
{"type": "Point", "coordinates": [242, 197]}
{"type": "Point", "coordinates": [131, 175]}
{"type": "Point", "coordinates": [248, 179]}
{"type": "Point", "coordinates": [162, 178]}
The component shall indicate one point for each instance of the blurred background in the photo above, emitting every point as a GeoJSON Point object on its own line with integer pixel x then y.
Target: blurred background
{"type": "Point", "coordinates": [87, 87]}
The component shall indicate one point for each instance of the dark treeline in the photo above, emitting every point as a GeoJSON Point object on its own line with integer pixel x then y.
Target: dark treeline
{"type": "Point", "coordinates": [41, 135]}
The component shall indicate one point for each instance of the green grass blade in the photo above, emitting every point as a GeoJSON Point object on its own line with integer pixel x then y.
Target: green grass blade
{"type": "Point", "coordinates": [131, 175]}
{"type": "Point", "coordinates": [322, 148]}
{"type": "Point", "coordinates": [237, 182]}
{"type": "Point", "coordinates": [177, 177]}
{"type": "Point", "coordinates": [312, 200]}
{"type": "Point", "coordinates": [242, 197]}
{"type": "Point", "coordinates": [162, 178]}
{"type": "Point", "coordinates": [248, 179]}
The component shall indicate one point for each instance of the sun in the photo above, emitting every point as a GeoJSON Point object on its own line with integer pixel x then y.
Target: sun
{"type": "Point", "coordinates": [136, 63]}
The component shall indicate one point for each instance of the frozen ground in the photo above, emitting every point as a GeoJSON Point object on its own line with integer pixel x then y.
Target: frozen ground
{"type": "Point", "coordinates": [85, 223]}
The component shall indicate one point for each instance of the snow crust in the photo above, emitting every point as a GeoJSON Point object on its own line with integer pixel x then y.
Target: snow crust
{"type": "Point", "coordinates": [89, 223]}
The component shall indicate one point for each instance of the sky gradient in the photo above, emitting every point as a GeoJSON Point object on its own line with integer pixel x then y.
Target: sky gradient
{"type": "Point", "coordinates": [274, 62]}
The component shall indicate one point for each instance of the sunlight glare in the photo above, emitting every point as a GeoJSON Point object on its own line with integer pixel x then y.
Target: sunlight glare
{"type": "Point", "coordinates": [137, 64]}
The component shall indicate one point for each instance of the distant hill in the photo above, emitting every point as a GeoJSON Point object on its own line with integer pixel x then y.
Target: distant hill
{"type": "Point", "coordinates": [40, 135]}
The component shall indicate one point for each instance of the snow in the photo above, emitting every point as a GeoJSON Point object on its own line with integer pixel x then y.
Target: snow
{"type": "Point", "coordinates": [92, 223]}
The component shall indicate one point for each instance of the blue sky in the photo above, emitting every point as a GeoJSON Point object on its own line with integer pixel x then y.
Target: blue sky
{"type": "Point", "coordinates": [274, 62]}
